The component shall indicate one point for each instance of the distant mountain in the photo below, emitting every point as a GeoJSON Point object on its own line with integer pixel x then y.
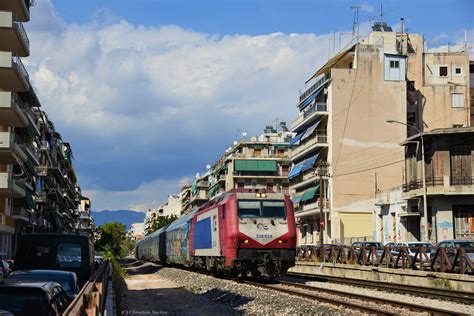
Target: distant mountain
{"type": "Point", "coordinates": [125, 217]}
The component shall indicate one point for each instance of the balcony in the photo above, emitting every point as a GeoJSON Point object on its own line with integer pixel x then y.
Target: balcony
{"type": "Point", "coordinates": [41, 197]}
{"type": "Point", "coordinates": [439, 186]}
{"type": "Point", "coordinates": [10, 187]}
{"type": "Point", "coordinates": [7, 224]}
{"type": "Point", "coordinates": [318, 84]}
{"type": "Point", "coordinates": [309, 115]}
{"type": "Point", "coordinates": [31, 153]}
{"type": "Point", "coordinates": [19, 8]}
{"type": "Point", "coordinates": [13, 35]}
{"type": "Point", "coordinates": [10, 148]}
{"type": "Point", "coordinates": [312, 208]}
{"type": "Point", "coordinates": [21, 213]}
{"type": "Point", "coordinates": [12, 110]}
{"type": "Point", "coordinates": [318, 140]}
{"type": "Point", "coordinates": [13, 74]}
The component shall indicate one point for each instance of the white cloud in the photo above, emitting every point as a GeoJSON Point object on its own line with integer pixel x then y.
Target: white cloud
{"type": "Point", "coordinates": [144, 103]}
{"type": "Point", "coordinates": [148, 195]}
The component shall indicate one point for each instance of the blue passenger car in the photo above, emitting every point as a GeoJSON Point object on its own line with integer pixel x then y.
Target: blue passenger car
{"type": "Point", "coordinates": [177, 241]}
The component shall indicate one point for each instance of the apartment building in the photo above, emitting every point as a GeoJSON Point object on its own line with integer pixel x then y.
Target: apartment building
{"type": "Point", "coordinates": [32, 153]}
{"type": "Point", "coordinates": [257, 162]}
{"type": "Point", "coordinates": [449, 189]}
{"type": "Point", "coordinates": [16, 187]}
{"type": "Point", "coordinates": [261, 162]}
{"type": "Point", "coordinates": [85, 224]}
{"type": "Point", "coordinates": [342, 125]}
{"type": "Point", "coordinates": [171, 207]}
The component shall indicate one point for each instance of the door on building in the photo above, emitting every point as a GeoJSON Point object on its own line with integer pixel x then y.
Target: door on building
{"type": "Point", "coordinates": [463, 218]}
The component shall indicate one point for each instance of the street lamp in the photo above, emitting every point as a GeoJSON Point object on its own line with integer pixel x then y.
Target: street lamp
{"type": "Point", "coordinates": [425, 204]}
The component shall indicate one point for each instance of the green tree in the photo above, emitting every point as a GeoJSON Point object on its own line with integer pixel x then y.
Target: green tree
{"type": "Point", "coordinates": [159, 221]}
{"type": "Point", "coordinates": [111, 237]}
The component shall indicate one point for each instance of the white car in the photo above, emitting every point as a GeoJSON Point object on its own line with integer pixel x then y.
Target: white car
{"type": "Point", "coordinates": [412, 248]}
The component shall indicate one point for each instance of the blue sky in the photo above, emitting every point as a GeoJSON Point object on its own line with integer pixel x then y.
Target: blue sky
{"type": "Point", "coordinates": [149, 92]}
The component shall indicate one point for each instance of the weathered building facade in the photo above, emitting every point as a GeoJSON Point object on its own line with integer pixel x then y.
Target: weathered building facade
{"type": "Point", "coordinates": [449, 187]}
{"type": "Point", "coordinates": [342, 124]}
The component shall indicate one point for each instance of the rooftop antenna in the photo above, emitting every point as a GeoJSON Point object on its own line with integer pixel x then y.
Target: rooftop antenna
{"type": "Point", "coordinates": [355, 22]}
{"type": "Point", "coordinates": [381, 12]}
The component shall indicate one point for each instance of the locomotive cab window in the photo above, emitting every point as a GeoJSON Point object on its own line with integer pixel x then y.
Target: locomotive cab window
{"type": "Point", "coordinates": [250, 209]}
{"type": "Point", "coordinates": [273, 209]}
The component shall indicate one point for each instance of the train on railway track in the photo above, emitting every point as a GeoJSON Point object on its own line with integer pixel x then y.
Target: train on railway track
{"type": "Point", "coordinates": [242, 232]}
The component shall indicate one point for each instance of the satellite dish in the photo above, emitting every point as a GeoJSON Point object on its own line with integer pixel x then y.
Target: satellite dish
{"type": "Point", "coordinates": [197, 175]}
{"type": "Point", "coordinates": [208, 166]}
{"type": "Point", "coordinates": [235, 142]}
{"type": "Point", "coordinates": [244, 133]}
{"type": "Point", "coordinates": [253, 139]}
{"type": "Point", "coordinates": [229, 149]}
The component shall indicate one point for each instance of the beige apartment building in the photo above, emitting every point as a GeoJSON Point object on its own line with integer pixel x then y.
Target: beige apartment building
{"type": "Point", "coordinates": [258, 162]}
{"type": "Point", "coordinates": [342, 122]}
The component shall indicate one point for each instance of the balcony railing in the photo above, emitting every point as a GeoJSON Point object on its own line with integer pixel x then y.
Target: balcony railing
{"type": "Point", "coordinates": [17, 61]}
{"type": "Point", "coordinates": [318, 107]}
{"type": "Point", "coordinates": [7, 220]}
{"type": "Point", "coordinates": [22, 32]}
{"type": "Point", "coordinates": [313, 88]}
{"type": "Point", "coordinates": [418, 183]}
{"type": "Point", "coordinates": [462, 181]}
{"type": "Point", "coordinates": [320, 138]}
{"type": "Point", "coordinates": [21, 211]}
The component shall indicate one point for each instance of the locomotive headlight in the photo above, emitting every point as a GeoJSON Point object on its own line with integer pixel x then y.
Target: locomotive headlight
{"type": "Point", "coordinates": [283, 241]}
{"type": "Point", "coordinates": [257, 194]}
{"type": "Point", "coordinates": [261, 195]}
{"type": "Point", "coordinates": [246, 241]}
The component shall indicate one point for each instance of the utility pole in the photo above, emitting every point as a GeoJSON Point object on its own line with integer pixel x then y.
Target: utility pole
{"type": "Point", "coordinates": [322, 172]}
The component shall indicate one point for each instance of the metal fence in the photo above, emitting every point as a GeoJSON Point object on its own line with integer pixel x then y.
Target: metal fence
{"type": "Point", "coordinates": [456, 260]}
{"type": "Point", "coordinates": [91, 299]}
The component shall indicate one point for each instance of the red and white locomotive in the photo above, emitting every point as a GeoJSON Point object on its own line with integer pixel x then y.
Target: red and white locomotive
{"type": "Point", "coordinates": [241, 232]}
{"type": "Point", "coordinates": [245, 231]}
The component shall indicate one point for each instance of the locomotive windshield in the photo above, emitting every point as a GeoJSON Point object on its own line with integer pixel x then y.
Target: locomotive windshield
{"type": "Point", "coordinates": [250, 209]}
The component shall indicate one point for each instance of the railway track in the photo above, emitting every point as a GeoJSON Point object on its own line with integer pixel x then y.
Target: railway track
{"type": "Point", "coordinates": [441, 294]}
{"type": "Point", "coordinates": [362, 302]}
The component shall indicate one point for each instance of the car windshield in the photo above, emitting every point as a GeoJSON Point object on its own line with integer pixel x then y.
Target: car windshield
{"type": "Point", "coordinates": [418, 245]}
{"type": "Point", "coordinates": [23, 302]}
{"type": "Point", "coordinates": [464, 244]}
{"type": "Point", "coordinates": [373, 244]}
{"type": "Point", "coordinates": [64, 281]}
{"type": "Point", "coordinates": [250, 209]}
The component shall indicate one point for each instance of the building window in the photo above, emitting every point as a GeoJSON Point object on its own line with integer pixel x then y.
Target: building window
{"type": "Point", "coordinates": [257, 152]}
{"type": "Point", "coordinates": [394, 64]}
{"type": "Point", "coordinates": [443, 71]}
{"type": "Point", "coordinates": [457, 100]}
{"type": "Point", "coordinates": [457, 125]}
{"type": "Point", "coordinates": [458, 71]}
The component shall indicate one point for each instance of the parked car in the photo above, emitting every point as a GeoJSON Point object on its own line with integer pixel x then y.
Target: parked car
{"type": "Point", "coordinates": [389, 244]}
{"type": "Point", "coordinates": [32, 298]}
{"type": "Point", "coordinates": [452, 247]}
{"type": "Point", "coordinates": [412, 248]}
{"type": "Point", "coordinates": [67, 279]}
{"type": "Point", "coordinates": [367, 245]}
{"type": "Point", "coordinates": [10, 263]}
{"type": "Point", "coordinates": [5, 267]}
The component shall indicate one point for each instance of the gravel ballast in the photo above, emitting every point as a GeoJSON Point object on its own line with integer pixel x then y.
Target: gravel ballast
{"type": "Point", "coordinates": [228, 296]}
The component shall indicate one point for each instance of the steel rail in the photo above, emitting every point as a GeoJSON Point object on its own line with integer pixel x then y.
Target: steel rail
{"type": "Point", "coordinates": [319, 294]}
{"type": "Point", "coordinates": [442, 294]}
{"type": "Point", "coordinates": [320, 297]}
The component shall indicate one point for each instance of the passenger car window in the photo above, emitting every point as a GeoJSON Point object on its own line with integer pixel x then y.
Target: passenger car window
{"type": "Point", "coordinates": [69, 255]}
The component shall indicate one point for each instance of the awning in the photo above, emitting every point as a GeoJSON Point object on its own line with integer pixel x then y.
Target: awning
{"type": "Point", "coordinates": [310, 130]}
{"type": "Point", "coordinates": [255, 165]}
{"type": "Point", "coordinates": [309, 194]}
{"type": "Point", "coordinates": [311, 98]}
{"type": "Point", "coordinates": [29, 200]}
{"type": "Point", "coordinates": [308, 163]}
{"type": "Point", "coordinates": [295, 139]}
{"type": "Point", "coordinates": [295, 171]}
{"type": "Point", "coordinates": [296, 198]}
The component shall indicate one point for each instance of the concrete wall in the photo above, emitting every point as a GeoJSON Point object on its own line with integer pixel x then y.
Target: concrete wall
{"type": "Point", "coordinates": [360, 102]}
